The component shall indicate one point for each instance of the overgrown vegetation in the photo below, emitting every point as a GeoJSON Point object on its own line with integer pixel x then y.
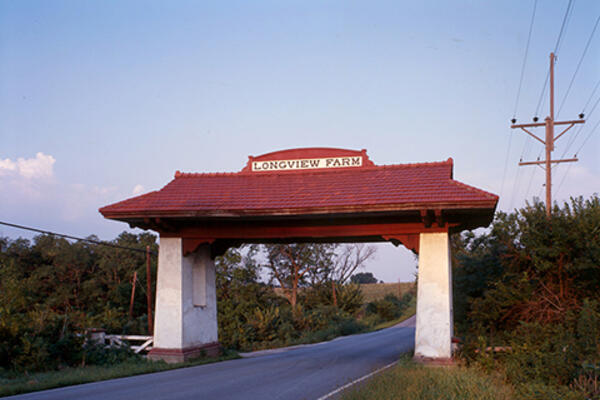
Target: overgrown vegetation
{"type": "Point", "coordinates": [52, 290]}
{"type": "Point", "coordinates": [253, 317]}
{"type": "Point", "coordinates": [527, 299]}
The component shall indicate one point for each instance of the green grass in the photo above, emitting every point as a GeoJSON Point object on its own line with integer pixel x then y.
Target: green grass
{"type": "Point", "coordinates": [23, 383]}
{"type": "Point", "coordinates": [412, 381]}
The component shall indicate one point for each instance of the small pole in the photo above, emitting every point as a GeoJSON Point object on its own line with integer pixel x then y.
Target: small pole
{"type": "Point", "coordinates": [132, 294]}
{"type": "Point", "coordinates": [334, 295]}
{"type": "Point", "coordinates": [550, 140]}
{"type": "Point", "coordinates": [149, 290]}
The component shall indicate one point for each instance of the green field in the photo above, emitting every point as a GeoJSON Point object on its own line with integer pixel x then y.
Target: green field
{"type": "Point", "coordinates": [377, 291]}
{"type": "Point", "coordinates": [374, 291]}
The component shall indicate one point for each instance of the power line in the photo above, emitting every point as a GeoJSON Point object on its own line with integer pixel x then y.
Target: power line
{"type": "Point", "coordinates": [563, 26]}
{"type": "Point", "coordinates": [530, 181]}
{"type": "Point", "coordinates": [556, 48]}
{"type": "Point", "coordinates": [525, 58]}
{"type": "Point", "coordinates": [98, 242]}
{"type": "Point", "coordinates": [588, 137]}
{"type": "Point", "coordinates": [587, 103]}
{"type": "Point", "coordinates": [577, 152]}
{"type": "Point", "coordinates": [576, 134]}
{"type": "Point", "coordinates": [512, 195]}
{"type": "Point", "coordinates": [579, 64]}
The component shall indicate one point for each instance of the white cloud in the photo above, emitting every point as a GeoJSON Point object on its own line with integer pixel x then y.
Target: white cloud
{"type": "Point", "coordinates": [7, 166]}
{"type": "Point", "coordinates": [42, 166]}
{"type": "Point", "coordinates": [138, 189]}
{"type": "Point", "coordinates": [39, 167]}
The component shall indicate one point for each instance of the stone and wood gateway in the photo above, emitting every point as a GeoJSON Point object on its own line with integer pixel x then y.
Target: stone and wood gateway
{"type": "Point", "coordinates": [301, 195]}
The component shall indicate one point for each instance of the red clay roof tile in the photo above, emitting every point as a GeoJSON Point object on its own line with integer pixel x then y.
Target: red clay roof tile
{"type": "Point", "coordinates": [368, 188]}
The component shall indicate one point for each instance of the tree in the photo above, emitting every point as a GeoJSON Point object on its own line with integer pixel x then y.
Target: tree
{"type": "Point", "coordinates": [347, 260]}
{"type": "Point", "coordinates": [292, 264]}
{"type": "Point", "coordinates": [363, 277]}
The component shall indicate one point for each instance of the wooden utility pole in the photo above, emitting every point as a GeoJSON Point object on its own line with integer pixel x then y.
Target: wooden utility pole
{"type": "Point", "coordinates": [549, 124]}
{"type": "Point", "coordinates": [133, 281]}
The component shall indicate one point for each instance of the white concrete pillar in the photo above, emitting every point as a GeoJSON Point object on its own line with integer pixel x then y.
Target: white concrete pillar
{"type": "Point", "coordinates": [185, 323]}
{"type": "Point", "coordinates": [435, 321]}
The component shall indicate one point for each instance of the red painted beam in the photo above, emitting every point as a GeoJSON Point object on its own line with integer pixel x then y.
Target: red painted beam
{"type": "Point", "coordinates": [258, 231]}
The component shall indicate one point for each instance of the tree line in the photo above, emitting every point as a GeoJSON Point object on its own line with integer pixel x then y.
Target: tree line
{"type": "Point", "coordinates": [52, 290]}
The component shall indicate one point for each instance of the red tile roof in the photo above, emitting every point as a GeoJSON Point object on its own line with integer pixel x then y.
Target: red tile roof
{"type": "Point", "coordinates": [364, 189]}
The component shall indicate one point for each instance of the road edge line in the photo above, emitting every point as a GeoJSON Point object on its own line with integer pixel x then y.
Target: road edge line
{"type": "Point", "coordinates": [347, 385]}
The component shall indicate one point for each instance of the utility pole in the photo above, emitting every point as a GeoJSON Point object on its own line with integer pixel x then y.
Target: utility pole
{"type": "Point", "coordinates": [549, 124]}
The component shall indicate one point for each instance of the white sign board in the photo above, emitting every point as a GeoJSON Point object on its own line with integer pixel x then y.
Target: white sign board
{"type": "Point", "coordinates": [307, 163]}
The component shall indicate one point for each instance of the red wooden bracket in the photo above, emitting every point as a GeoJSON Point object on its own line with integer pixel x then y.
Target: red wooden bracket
{"type": "Point", "coordinates": [190, 245]}
{"type": "Point", "coordinates": [411, 242]}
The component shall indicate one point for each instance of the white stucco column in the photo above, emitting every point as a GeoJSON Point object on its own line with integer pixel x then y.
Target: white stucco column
{"type": "Point", "coordinates": [185, 323]}
{"type": "Point", "coordinates": [435, 321]}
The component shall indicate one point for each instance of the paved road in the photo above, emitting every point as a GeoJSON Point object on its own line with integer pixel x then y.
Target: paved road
{"type": "Point", "coordinates": [306, 372]}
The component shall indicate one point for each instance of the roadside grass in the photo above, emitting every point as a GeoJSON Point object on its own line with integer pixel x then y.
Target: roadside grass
{"type": "Point", "coordinates": [11, 384]}
{"type": "Point", "coordinates": [411, 381]}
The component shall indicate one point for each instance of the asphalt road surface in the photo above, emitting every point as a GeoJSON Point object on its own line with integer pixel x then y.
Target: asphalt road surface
{"type": "Point", "coordinates": [305, 372]}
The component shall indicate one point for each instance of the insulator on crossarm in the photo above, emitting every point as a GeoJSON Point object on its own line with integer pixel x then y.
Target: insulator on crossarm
{"type": "Point", "coordinates": [581, 115]}
{"type": "Point", "coordinates": [535, 119]}
{"type": "Point", "coordinates": [514, 120]}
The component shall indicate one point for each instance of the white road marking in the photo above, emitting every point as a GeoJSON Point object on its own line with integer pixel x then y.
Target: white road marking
{"type": "Point", "coordinates": [328, 395]}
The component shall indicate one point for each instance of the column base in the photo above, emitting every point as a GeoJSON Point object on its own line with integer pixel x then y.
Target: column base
{"type": "Point", "coordinates": [434, 362]}
{"type": "Point", "coordinates": [172, 356]}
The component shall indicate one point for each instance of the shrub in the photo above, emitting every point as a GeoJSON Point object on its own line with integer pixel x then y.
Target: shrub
{"type": "Point", "coordinates": [530, 284]}
{"type": "Point", "coordinates": [388, 308]}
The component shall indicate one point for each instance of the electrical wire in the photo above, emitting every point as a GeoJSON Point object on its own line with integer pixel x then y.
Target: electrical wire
{"type": "Point", "coordinates": [587, 103]}
{"type": "Point", "coordinates": [577, 152]}
{"type": "Point", "coordinates": [98, 242]}
{"type": "Point", "coordinates": [563, 26]}
{"type": "Point", "coordinates": [530, 181]}
{"type": "Point", "coordinates": [512, 195]}
{"type": "Point", "coordinates": [576, 134]}
{"type": "Point", "coordinates": [579, 65]}
{"type": "Point", "coordinates": [525, 59]}
{"type": "Point", "coordinates": [556, 49]}
{"type": "Point", "coordinates": [588, 137]}
{"type": "Point", "coordinates": [537, 108]}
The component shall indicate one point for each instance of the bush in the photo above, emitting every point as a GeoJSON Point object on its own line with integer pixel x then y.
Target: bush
{"type": "Point", "coordinates": [530, 285]}
{"type": "Point", "coordinates": [99, 354]}
{"type": "Point", "coordinates": [388, 308]}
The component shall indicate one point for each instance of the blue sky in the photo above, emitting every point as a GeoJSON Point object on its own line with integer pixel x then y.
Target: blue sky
{"type": "Point", "coordinates": [100, 100]}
